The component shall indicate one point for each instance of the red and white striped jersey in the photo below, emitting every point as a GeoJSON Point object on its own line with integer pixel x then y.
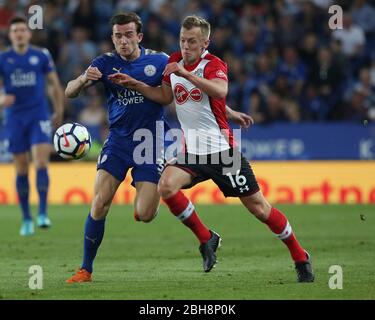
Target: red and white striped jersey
{"type": "Point", "coordinates": [203, 118]}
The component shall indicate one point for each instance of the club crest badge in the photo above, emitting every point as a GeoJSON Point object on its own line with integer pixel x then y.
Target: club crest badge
{"type": "Point", "coordinates": [33, 60]}
{"type": "Point", "coordinates": [150, 70]}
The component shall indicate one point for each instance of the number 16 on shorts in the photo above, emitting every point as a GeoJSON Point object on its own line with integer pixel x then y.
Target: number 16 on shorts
{"type": "Point", "coordinates": [238, 181]}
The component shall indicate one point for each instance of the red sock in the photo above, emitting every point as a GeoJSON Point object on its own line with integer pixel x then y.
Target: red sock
{"type": "Point", "coordinates": [279, 225]}
{"type": "Point", "coordinates": [136, 217]}
{"type": "Point", "coordinates": [184, 210]}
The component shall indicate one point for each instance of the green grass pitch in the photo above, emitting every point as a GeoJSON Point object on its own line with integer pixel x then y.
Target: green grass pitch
{"type": "Point", "coordinates": [160, 260]}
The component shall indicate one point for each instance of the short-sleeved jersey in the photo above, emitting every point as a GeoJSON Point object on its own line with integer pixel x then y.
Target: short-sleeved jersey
{"type": "Point", "coordinates": [128, 110]}
{"type": "Point", "coordinates": [24, 76]}
{"type": "Point", "coordinates": [203, 118]}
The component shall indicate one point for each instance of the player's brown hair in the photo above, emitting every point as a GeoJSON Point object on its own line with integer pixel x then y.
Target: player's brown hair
{"type": "Point", "coordinates": [125, 18]}
{"type": "Point", "coordinates": [17, 19]}
{"type": "Point", "coordinates": [194, 21]}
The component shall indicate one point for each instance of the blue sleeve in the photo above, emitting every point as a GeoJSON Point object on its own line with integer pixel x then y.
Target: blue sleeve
{"type": "Point", "coordinates": [1, 67]}
{"type": "Point", "coordinates": [164, 58]}
{"type": "Point", "coordinates": [48, 64]}
{"type": "Point", "coordinates": [98, 62]}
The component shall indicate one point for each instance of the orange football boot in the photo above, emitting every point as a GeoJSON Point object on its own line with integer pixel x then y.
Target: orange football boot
{"type": "Point", "coordinates": [81, 276]}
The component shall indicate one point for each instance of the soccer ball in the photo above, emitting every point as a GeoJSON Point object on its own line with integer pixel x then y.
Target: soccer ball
{"type": "Point", "coordinates": [72, 141]}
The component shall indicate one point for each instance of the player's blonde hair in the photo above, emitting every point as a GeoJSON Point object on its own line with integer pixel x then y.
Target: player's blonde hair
{"type": "Point", "coordinates": [194, 21]}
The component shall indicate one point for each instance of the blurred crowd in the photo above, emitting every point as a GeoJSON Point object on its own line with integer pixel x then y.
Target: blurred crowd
{"type": "Point", "coordinates": [285, 63]}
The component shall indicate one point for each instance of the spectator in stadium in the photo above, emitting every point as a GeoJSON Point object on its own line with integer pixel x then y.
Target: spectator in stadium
{"type": "Point", "coordinates": [367, 89]}
{"type": "Point", "coordinates": [261, 81]}
{"type": "Point", "coordinates": [255, 29]}
{"type": "Point", "coordinates": [313, 106]}
{"type": "Point", "coordinates": [288, 33]}
{"type": "Point", "coordinates": [309, 48]}
{"type": "Point", "coordinates": [363, 15]}
{"type": "Point", "coordinates": [84, 16]}
{"type": "Point", "coordinates": [356, 110]}
{"type": "Point", "coordinates": [275, 109]}
{"type": "Point", "coordinates": [351, 36]}
{"type": "Point", "coordinates": [293, 69]}
{"type": "Point", "coordinates": [326, 76]}
{"type": "Point", "coordinates": [7, 12]}
{"type": "Point", "coordinates": [77, 52]}
{"type": "Point", "coordinates": [154, 38]}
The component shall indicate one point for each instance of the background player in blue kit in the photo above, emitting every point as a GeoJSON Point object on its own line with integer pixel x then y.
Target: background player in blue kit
{"type": "Point", "coordinates": [25, 71]}
{"type": "Point", "coordinates": [128, 111]}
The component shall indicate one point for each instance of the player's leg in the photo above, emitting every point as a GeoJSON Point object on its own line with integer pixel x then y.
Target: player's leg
{"type": "Point", "coordinates": [170, 184]}
{"type": "Point", "coordinates": [19, 145]}
{"type": "Point", "coordinates": [39, 128]}
{"type": "Point", "coordinates": [146, 202]}
{"type": "Point", "coordinates": [279, 224]}
{"type": "Point", "coordinates": [21, 162]}
{"type": "Point", "coordinates": [40, 155]}
{"type": "Point", "coordinates": [241, 182]}
{"type": "Point", "coordinates": [145, 180]}
{"type": "Point", "coordinates": [105, 188]}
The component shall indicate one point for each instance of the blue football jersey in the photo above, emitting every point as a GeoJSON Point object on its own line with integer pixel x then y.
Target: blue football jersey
{"type": "Point", "coordinates": [24, 76]}
{"type": "Point", "coordinates": [128, 110]}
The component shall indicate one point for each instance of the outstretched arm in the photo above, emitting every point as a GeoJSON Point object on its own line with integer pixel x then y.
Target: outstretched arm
{"type": "Point", "coordinates": [243, 119]}
{"type": "Point", "coordinates": [162, 95]}
{"type": "Point", "coordinates": [75, 87]}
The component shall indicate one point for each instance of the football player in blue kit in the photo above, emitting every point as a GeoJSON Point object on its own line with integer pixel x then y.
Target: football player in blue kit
{"type": "Point", "coordinates": [25, 71]}
{"type": "Point", "coordinates": [128, 111]}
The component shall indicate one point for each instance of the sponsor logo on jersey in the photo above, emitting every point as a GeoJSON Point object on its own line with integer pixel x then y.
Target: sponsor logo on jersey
{"type": "Point", "coordinates": [182, 94]}
{"type": "Point", "coordinates": [149, 70]}
{"type": "Point", "coordinates": [196, 95]}
{"type": "Point", "coordinates": [127, 96]}
{"type": "Point", "coordinates": [221, 74]}
{"type": "Point", "coordinates": [117, 70]}
{"type": "Point", "coordinates": [20, 79]}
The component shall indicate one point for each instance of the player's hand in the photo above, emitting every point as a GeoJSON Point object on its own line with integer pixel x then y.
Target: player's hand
{"type": "Point", "coordinates": [57, 119]}
{"type": "Point", "coordinates": [243, 119]}
{"type": "Point", "coordinates": [7, 100]}
{"type": "Point", "coordinates": [123, 80]}
{"type": "Point", "coordinates": [91, 73]}
{"type": "Point", "coordinates": [175, 68]}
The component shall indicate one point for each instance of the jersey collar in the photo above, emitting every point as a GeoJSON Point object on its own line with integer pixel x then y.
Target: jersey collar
{"type": "Point", "coordinates": [193, 66]}
{"type": "Point", "coordinates": [21, 54]}
{"type": "Point", "coordinates": [127, 61]}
